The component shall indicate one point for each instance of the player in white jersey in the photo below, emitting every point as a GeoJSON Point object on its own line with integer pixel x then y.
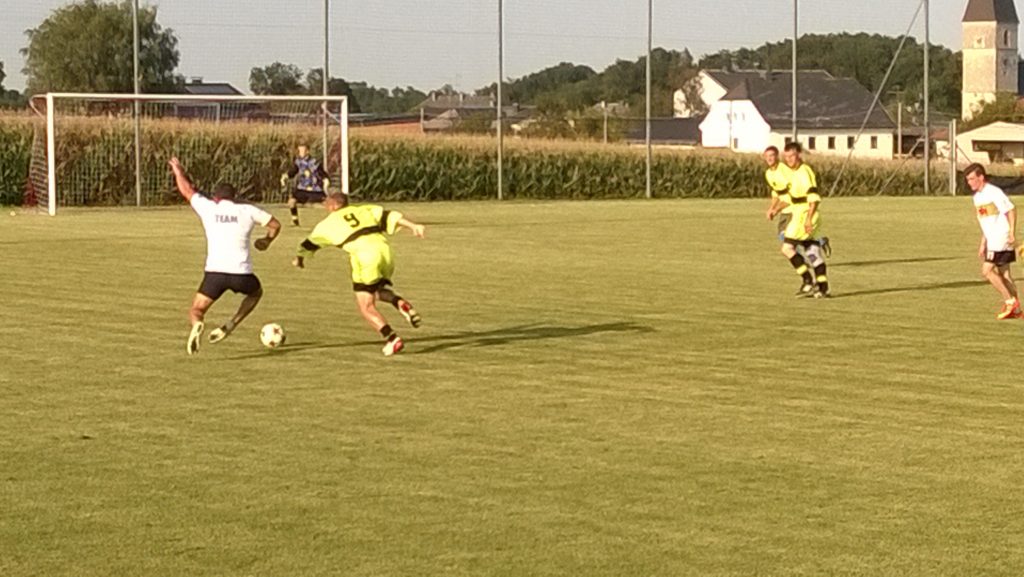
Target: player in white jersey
{"type": "Point", "coordinates": [228, 226]}
{"type": "Point", "coordinates": [998, 219]}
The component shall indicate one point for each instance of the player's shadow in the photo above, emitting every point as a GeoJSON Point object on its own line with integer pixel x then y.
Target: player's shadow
{"type": "Point", "coordinates": [471, 339]}
{"type": "Point", "coordinates": [913, 289]}
{"type": "Point", "coordinates": [884, 262]}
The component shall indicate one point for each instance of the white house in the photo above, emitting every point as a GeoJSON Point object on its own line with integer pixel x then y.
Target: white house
{"type": "Point", "coordinates": [994, 143]}
{"type": "Point", "coordinates": [757, 112]}
{"type": "Point", "coordinates": [711, 85]}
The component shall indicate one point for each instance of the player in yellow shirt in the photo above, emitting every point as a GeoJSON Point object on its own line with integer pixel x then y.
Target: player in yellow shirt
{"type": "Point", "coordinates": [777, 174]}
{"type": "Point", "coordinates": [803, 201]}
{"type": "Point", "coordinates": [362, 231]}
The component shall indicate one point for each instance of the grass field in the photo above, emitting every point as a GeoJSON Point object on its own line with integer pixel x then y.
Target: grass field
{"type": "Point", "coordinates": [600, 389]}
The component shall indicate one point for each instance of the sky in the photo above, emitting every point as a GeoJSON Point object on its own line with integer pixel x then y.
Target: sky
{"type": "Point", "coordinates": [429, 43]}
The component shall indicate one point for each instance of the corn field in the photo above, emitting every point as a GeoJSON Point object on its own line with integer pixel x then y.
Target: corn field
{"type": "Point", "coordinates": [393, 167]}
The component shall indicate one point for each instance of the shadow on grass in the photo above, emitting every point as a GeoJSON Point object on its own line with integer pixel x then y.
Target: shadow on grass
{"type": "Point", "coordinates": [883, 262]}
{"type": "Point", "coordinates": [913, 289]}
{"type": "Point", "coordinates": [469, 339]}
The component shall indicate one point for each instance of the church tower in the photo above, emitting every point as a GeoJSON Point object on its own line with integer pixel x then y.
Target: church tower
{"type": "Point", "coordinates": [990, 52]}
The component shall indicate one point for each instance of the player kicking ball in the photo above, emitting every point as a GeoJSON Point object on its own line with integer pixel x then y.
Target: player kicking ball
{"type": "Point", "coordinates": [228, 225]}
{"type": "Point", "coordinates": [998, 220]}
{"type": "Point", "coordinates": [362, 231]}
{"type": "Point", "coordinates": [311, 182]}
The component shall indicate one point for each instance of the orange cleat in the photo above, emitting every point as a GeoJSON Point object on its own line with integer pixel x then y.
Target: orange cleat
{"type": "Point", "coordinates": [1010, 311]}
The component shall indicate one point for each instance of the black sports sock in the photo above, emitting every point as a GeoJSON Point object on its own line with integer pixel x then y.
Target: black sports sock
{"type": "Point", "coordinates": [388, 333]}
{"type": "Point", "coordinates": [802, 269]}
{"type": "Point", "coordinates": [821, 274]}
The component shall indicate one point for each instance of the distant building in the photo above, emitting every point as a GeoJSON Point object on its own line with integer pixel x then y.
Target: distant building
{"type": "Point", "coordinates": [756, 112]}
{"type": "Point", "coordinates": [444, 112]}
{"type": "Point", "coordinates": [990, 44]}
{"type": "Point", "coordinates": [710, 86]}
{"type": "Point", "coordinates": [667, 132]}
{"type": "Point", "coordinates": [999, 142]}
{"type": "Point", "coordinates": [196, 86]}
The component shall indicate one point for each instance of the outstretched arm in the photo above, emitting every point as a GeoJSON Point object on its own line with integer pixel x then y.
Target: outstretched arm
{"type": "Point", "coordinates": [417, 229]}
{"type": "Point", "coordinates": [181, 179]}
{"type": "Point", "coordinates": [273, 229]}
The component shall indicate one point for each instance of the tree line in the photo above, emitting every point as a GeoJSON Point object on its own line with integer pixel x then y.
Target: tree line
{"type": "Point", "coordinates": [101, 33]}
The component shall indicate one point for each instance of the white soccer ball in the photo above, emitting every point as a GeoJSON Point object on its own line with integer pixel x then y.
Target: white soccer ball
{"type": "Point", "coordinates": [272, 335]}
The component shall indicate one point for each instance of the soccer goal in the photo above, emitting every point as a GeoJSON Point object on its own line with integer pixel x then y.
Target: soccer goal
{"type": "Point", "coordinates": [112, 149]}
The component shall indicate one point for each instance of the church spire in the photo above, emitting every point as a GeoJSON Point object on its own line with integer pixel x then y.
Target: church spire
{"type": "Point", "coordinates": [1001, 11]}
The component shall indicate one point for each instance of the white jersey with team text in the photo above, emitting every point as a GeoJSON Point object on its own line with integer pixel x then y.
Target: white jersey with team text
{"type": "Point", "coordinates": [992, 206]}
{"type": "Point", "coordinates": [228, 228]}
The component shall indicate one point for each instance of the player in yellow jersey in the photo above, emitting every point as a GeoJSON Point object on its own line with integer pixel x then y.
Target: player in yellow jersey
{"type": "Point", "coordinates": [803, 201]}
{"type": "Point", "coordinates": [778, 174]}
{"type": "Point", "coordinates": [362, 231]}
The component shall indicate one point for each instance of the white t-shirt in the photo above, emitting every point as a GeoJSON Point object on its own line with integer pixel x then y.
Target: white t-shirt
{"type": "Point", "coordinates": [228, 228]}
{"type": "Point", "coordinates": [992, 204]}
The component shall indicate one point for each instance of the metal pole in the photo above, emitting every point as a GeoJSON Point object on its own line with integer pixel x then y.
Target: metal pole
{"type": "Point", "coordinates": [899, 130]}
{"type": "Point", "coordinates": [604, 107]}
{"type": "Point", "coordinates": [650, 52]}
{"type": "Point", "coordinates": [326, 75]}
{"type": "Point", "coordinates": [796, 33]}
{"type": "Point", "coordinates": [500, 95]}
{"type": "Point", "coordinates": [927, 101]}
{"type": "Point", "coordinates": [136, 112]}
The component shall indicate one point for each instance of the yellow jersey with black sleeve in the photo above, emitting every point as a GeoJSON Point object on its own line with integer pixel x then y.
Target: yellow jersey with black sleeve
{"type": "Point", "coordinates": [361, 231]}
{"type": "Point", "coordinates": [778, 178]}
{"type": "Point", "coordinates": [803, 190]}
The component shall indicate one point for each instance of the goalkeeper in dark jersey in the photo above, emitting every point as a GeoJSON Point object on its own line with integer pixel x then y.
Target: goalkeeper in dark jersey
{"type": "Point", "coordinates": [311, 182]}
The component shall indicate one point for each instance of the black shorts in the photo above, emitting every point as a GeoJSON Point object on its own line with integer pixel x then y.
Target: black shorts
{"type": "Point", "coordinates": [371, 288]}
{"type": "Point", "coordinates": [308, 196]}
{"type": "Point", "coordinates": [1001, 258]}
{"type": "Point", "coordinates": [215, 284]}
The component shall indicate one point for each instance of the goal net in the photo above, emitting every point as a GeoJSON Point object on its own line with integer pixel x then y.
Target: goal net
{"type": "Point", "coordinates": [112, 149]}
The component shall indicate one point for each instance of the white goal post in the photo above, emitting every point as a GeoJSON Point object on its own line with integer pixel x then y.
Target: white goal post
{"type": "Point", "coordinates": [111, 149]}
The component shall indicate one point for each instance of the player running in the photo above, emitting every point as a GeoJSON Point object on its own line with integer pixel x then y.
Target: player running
{"type": "Point", "coordinates": [803, 200]}
{"type": "Point", "coordinates": [311, 182]}
{"type": "Point", "coordinates": [998, 220]}
{"type": "Point", "coordinates": [778, 175]}
{"type": "Point", "coordinates": [361, 231]}
{"type": "Point", "coordinates": [228, 225]}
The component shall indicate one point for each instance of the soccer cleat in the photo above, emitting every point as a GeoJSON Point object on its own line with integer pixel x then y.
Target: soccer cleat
{"type": "Point", "coordinates": [820, 294]}
{"type": "Point", "coordinates": [295, 221]}
{"type": "Point", "coordinates": [393, 347]}
{"type": "Point", "coordinates": [826, 246]}
{"type": "Point", "coordinates": [193, 338]}
{"type": "Point", "coordinates": [218, 335]}
{"type": "Point", "coordinates": [411, 316]}
{"type": "Point", "coordinates": [806, 290]}
{"type": "Point", "coordinates": [1010, 311]}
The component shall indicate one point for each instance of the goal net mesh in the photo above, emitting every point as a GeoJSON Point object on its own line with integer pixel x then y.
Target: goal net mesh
{"type": "Point", "coordinates": [248, 143]}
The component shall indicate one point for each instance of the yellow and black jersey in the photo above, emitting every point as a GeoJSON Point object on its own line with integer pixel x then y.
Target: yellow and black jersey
{"type": "Point", "coordinates": [803, 187]}
{"type": "Point", "coordinates": [778, 179]}
{"type": "Point", "coordinates": [354, 229]}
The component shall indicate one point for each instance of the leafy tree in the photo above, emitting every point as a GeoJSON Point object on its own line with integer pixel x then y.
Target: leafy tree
{"type": "Point", "coordinates": [1007, 107]}
{"type": "Point", "coordinates": [383, 101]}
{"type": "Point", "coordinates": [86, 46]}
{"type": "Point", "coordinates": [277, 79]}
{"type": "Point", "coordinates": [9, 98]}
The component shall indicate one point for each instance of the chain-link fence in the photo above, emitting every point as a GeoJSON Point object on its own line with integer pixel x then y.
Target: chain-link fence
{"type": "Point", "coordinates": [601, 98]}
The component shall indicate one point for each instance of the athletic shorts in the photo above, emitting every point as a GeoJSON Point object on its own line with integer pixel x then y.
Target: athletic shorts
{"type": "Point", "coordinates": [796, 229]}
{"type": "Point", "coordinates": [372, 269]}
{"type": "Point", "coordinates": [1001, 258]}
{"type": "Point", "coordinates": [784, 220]}
{"type": "Point", "coordinates": [215, 284]}
{"type": "Point", "coordinates": [309, 196]}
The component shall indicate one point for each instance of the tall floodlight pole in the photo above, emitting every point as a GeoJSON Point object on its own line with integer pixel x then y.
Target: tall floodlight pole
{"type": "Point", "coordinates": [796, 34]}
{"type": "Point", "coordinates": [326, 75]}
{"type": "Point", "coordinates": [137, 113]}
{"type": "Point", "coordinates": [650, 53]}
{"type": "Point", "coordinates": [499, 96]}
{"type": "Point", "coordinates": [927, 101]}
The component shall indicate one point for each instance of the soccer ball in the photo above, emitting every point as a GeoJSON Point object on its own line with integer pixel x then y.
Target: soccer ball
{"type": "Point", "coordinates": [272, 335]}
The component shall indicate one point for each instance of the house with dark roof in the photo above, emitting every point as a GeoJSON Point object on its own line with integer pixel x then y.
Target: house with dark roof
{"type": "Point", "coordinates": [710, 85]}
{"type": "Point", "coordinates": [756, 112]}
{"type": "Point", "coordinates": [198, 87]}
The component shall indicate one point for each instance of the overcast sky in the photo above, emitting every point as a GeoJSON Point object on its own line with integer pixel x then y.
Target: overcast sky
{"type": "Point", "coordinates": [428, 43]}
